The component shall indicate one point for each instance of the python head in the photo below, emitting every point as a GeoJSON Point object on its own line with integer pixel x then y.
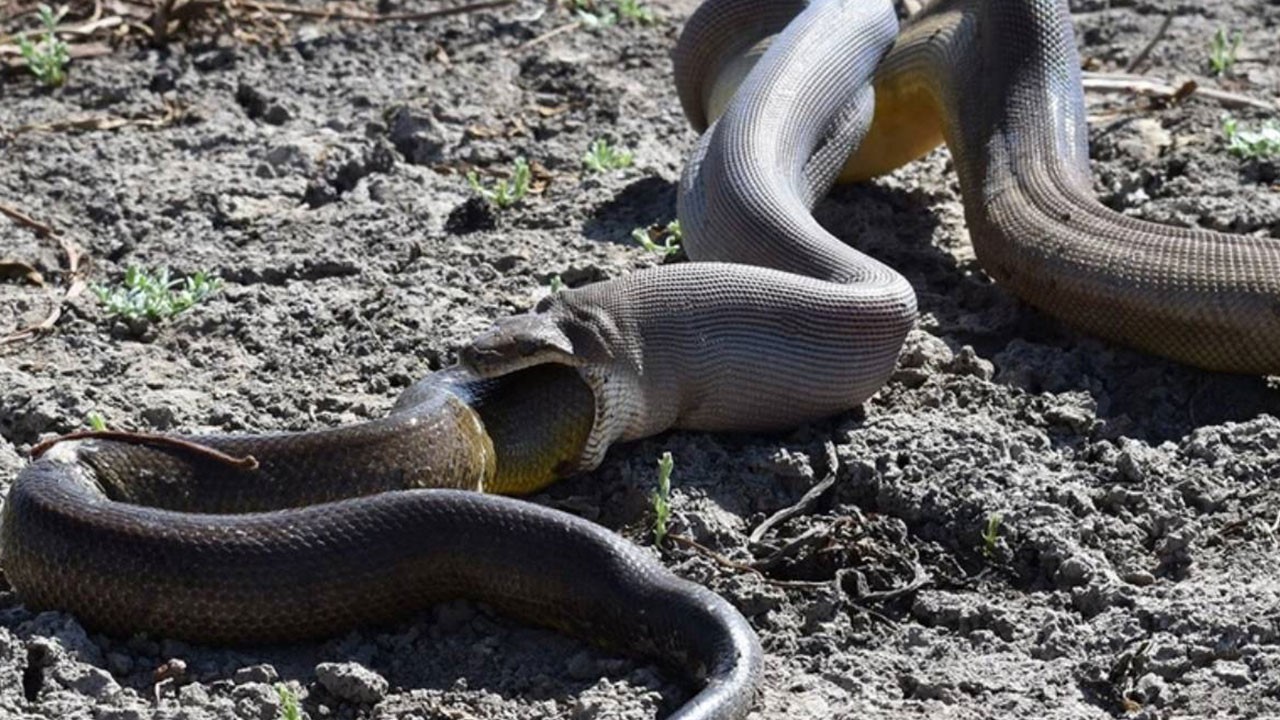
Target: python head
{"type": "Point", "coordinates": [558, 330]}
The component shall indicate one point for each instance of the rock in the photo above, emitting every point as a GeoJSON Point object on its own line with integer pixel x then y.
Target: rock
{"type": "Point", "coordinates": [292, 156]}
{"type": "Point", "coordinates": [1233, 673]}
{"type": "Point", "coordinates": [591, 708]}
{"type": "Point", "coordinates": [257, 701]}
{"type": "Point", "coordinates": [159, 418]}
{"type": "Point", "coordinates": [352, 682]}
{"type": "Point", "coordinates": [193, 694]}
{"type": "Point", "coordinates": [263, 673]}
{"type": "Point", "coordinates": [1145, 139]}
{"type": "Point", "coordinates": [216, 59]}
{"type": "Point", "coordinates": [277, 114]}
{"type": "Point", "coordinates": [256, 104]}
{"type": "Point", "coordinates": [60, 636]}
{"type": "Point", "coordinates": [1073, 571]}
{"type": "Point", "coordinates": [416, 134]}
{"type": "Point", "coordinates": [923, 350]}
{"type": "Point", "coordinates": [121, 713]}
{"type": "Point", "coordinates": [967, 362]}
{"type": "Point", "coordinates": [473, 215]}
{"type": "Point", "coordinates": [1153, 688]}
{"type": "Point", "coordinates": [1140, 578]}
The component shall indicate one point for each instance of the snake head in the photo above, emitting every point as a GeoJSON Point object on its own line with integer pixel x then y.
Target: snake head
{"type": "Point", "coordinates": [552, 333]}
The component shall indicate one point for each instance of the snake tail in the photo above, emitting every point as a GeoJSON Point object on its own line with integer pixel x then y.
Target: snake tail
{"type": "Point", "coordinates": [337, 529]}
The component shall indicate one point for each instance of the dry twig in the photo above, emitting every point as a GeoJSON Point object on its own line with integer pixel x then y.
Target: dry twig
{"type": "Point", "coordinates": [88, 123]}
{"type": "Point", "coordinates": [75, 283]}
{"type": "Point", "coordinates": [801, 506]}
{"type": "Point", "coordinates": [1139, 85]}
{"type": "Point", "coordinates": [1141, 57]}
{"type": "Point", "coordinates": [16, 215]}
{"type": "Point", "coordinates": [553, 32]}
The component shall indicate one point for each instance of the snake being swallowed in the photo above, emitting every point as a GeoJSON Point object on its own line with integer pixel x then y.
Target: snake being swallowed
{"type": "Point", "coordinates": [777, 324]}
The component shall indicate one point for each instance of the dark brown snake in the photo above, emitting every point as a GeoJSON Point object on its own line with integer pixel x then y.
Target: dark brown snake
{"type": "Point", "coordinates": [782, 325]}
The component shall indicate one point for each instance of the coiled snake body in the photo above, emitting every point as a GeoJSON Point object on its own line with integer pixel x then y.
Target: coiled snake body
{"type": "Point", "coordinates": [780, 325]}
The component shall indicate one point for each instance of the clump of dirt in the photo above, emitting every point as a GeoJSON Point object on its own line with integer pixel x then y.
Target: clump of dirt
{"type": "Point", "coordinates": [1025, 520]}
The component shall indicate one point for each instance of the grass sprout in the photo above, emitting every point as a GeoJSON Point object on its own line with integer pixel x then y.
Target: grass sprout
{"type": "Point", "coordinates": [670, 236]}
{"type": "Point", "coordinates": [602, 157]}
{"type": "Point", "coordinates": [593, 15]}
{"type": "Point", "coordinates": [1251, 144]}
{"type": "Point", "coordinates": [636, 12]}
{"type": "Point", "coordinates": [48, 58]}
{"type": "Point", "coordinates": [662, 498]}
{"type": "Point", "coordinates": [154, 295]}
{"type": "Point", "coordinates": [505, 192]}
{"type": "Point", "coordinates": [991, 534]}
{"type": "Point", "coordinates": [95, 421]}
{"type": "Point", "coordinates": [289, 707]}
{"type": "Point", "coordinates": [1222, 52]}
{"type": "Point", "coordinates": [555, 284]}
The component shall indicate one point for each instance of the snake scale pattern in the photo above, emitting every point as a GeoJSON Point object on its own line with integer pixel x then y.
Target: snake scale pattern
{"type": "Point", "coordinates": [241, 539]}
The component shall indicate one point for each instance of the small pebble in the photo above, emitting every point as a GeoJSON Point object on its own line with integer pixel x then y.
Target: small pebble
{"type": "Point", "coordinates": [352, 682]}
{"type": "Point", "coordinates": [263, 673]}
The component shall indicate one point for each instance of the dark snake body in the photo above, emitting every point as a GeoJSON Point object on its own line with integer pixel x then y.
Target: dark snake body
{"type": "Point", "coordinates": [709, 345]}
{"type": "Point", "coordinates": [334, 529]}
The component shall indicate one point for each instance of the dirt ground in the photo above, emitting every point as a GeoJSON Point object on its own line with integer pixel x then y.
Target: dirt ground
{"type": "Point", "coordinates": [1135, 572]}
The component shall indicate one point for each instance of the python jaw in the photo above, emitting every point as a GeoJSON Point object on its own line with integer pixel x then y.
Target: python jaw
{"type": "Point", "coordinates": [516, 343]}
{"type": "Point", "coordinates": [551, 333]}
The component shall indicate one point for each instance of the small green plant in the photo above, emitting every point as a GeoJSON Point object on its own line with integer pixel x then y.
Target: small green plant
{"type": "Point", "coordinates": [634, 11]}
{"type": "Point", "coordinates": [662, 498]}
{"type": "Point", "coordinates": [289, 708]}
{"type": "Point", "coordinates": [95, 421]}
{"type": "Point", "coordinates": [601, 157]}
{"type": "Point", "coordinates": [1222, 52]}
{"type": "Point", "coordinates": [991, 534]}
{"type": "Point", "coordinates": [670, 236]}
{"type": "Point", "coordinates": [1261, 143]}
{"type": "Point", "coordinates": [48, 58]}
{"type": "Point", "coordinates": [154, 295]}
{"type": "Point", "coordinates": [504, 193]}
{"type": "Point", "coordinates": [593, 15]}
{"type": "Point", "coordinates": [555, 284]}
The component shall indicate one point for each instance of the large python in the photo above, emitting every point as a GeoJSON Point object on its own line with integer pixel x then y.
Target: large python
{"type": "Point", "coordinates": [782, 325]}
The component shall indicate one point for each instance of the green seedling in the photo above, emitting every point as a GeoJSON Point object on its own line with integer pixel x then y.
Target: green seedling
{"type": "Point", "coordinates": [670, 237]}
{"type": "Point", "coordinates": [556, 284]}
{"type": "Point", "coordinates": [1222, 52]}
{"type": "Point", "coordinates": [601, 157]}
{"type": "Point", "coordinates": [662, 498]}
{"type": "Point", "coordinates": [1251, 144]}
{"type": "Point", "coordinates": [632, 10]}
{"type": "Point", "coordinates": [48, 58]}
{"type": "Point", "coordinates": [154, 295]}
{"type": "Point", "coordinates": [95, 421]}
{"type": "Point", "coordinates": [991, 534]}
{"type": "Point", "coordinates": [593, 15]}
{"type": "Point", "coordinates": [504, 193]}
{"type": "Point", "coordinates": [289, 708]}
